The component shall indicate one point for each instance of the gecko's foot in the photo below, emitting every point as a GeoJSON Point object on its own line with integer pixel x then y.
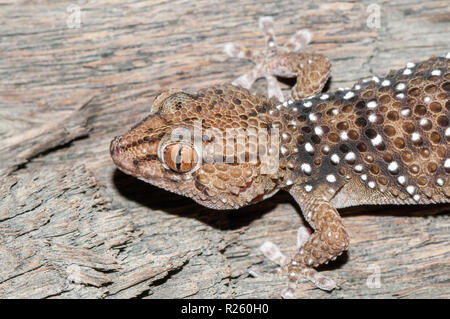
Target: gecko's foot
{"type": "Point", "coordinates": [289, 61]}
{"type": "Point", "coordinates": [273, 253]}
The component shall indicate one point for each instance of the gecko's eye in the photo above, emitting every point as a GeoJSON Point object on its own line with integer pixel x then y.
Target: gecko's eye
{"type": "Point", "coordinates": [180, 158]}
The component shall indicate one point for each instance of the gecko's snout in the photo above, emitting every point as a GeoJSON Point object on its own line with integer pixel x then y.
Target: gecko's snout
{"type": "Point", "coordinates": [119, 156]}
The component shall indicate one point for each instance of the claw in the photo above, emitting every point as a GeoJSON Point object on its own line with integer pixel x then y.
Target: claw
{"type": "Point", "coordinates": [273, 253]}
{"type": "Point", "coordinates": [302, 236]}
{"type": "Point", "coordinates": [233, 50]}
{"type": "Point", "coordinates": [299, 40]}
{"type": "Point", "coordinates": [319, 280]}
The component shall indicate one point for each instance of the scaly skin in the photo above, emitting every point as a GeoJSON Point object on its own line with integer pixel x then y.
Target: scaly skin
{"type": "Point", "coordinates": [384, 141]}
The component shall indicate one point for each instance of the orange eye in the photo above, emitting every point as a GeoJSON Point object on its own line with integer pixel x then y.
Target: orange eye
{"type": "Point", "coordinates": [179, 157]}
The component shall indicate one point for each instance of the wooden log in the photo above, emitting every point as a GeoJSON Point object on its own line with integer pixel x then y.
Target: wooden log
{"type": "Point", "coordinates": [71, 225]}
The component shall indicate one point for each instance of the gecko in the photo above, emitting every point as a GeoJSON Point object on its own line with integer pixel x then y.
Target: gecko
{"type": "Point", "coordinates": [383, 141]}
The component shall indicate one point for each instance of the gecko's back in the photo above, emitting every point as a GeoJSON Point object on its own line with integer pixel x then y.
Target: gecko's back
{"type": "Point", "coordinates": [385, 141]}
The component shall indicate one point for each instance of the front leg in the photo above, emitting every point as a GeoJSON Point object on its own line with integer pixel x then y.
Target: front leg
{"type": "Point", "coordinates": [328, 241]}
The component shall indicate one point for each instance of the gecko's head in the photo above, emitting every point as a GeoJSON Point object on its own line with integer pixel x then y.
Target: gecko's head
{"type": "Point", "coordinates": [185, 146]}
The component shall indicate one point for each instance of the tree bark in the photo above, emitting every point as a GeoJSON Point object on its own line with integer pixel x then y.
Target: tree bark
{"type": "Point", "coordinates": [71, 225]}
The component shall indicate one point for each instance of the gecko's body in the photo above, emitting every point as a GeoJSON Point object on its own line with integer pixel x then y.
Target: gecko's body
{"type": "Point", "coordinates": [384, 141]}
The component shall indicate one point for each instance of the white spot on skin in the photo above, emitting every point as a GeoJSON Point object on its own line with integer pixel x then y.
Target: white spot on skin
{"type": "Point", "coordinates": [377, 140]}
{"type": "Point", "coordinates": [371, 184]}
{"type": "Point", "coordinates": [306, 168]}
{"type": "Point", "coordinates": [295, 110]}
{"type": "Point", "coordinates": [436, 72]}
{"type": "Point", "coordinates": [447, 131]}
{"type": "Point", "coordinates": [393, 167]}
{"type": "Point", "coordinates": [349, 95]}
{"type": "Point", "coordinates": [285, 104]}
{"type": "Point", "coordinates": [289, 182]}
{"type": "Point", "coordinates": [335, 111]}
{"type": "Point", "coordinates": [331, 178]}
{"type": "Point", "coordinates": [283, 150]}
{"type": "Point", "coordinates": [295, 150]}
{"type": "Point", "coordinates": [427, 99]}
{"type": "Point", "coordinates": [335, 159]}
{"type": "Point", "coordinates": [407, 72]}
{"type": "Point", "coordinates": [285, 136]}
{"type": "Point", "coordinates": [400, 87]}
{"type": "Point", "coordinates": [344, 136]}
{"type": "Point", "coordinates": [447, 56]}
{"type": "Point", "coordinates": [405, 112]}
{"type": "Point", "coordinates": [364, 177]}
{"type": "Point", "coordinates": [440, 181]}
{"type": "Point", "coordinates": [278, 107]}
{"type": "Point", "coordinates": [385, 83]}
{"type": "Point", "coordinates": [350, 157]}
{"type": "Point", "coordinates": [374, 78]}
{"type": "Point", "coordinates": [309, 148]}
{"type": "Point", "coordinates": [416, 197]}
{"type": "Point", "coordinates": [424, 122]}
{"type": "Point", "coordinates": [324, 96]}
{"type": "Point", "coordinates": [308, 188]}
{"type": "Point", "coordinates": [410, 65]}
{"type": "Point", "coordinates": [401, 180]}
{"type": "Point", "coordinates": [372, 118]}
{"type": "Point", "coordinates": [307, 104]}
{"type": "Point", "coordinates": [447, 163]}
{"type": "Point", "coordinates": [400, 96]}
{"type": "Point", "coordinates": [312, 117]}
{"type": "Point", "coordinates": [372, 104]}
{"type": "Point", "coordinates": [358, 168]}
{"type": "Point", "coordinates": [410, 189]}
{"type": "Point", "coordinates": [318, 130]}
{"type": "Point", "coordinates": [357, 87]}
{"type": "Point", "coordinates": [326, 148]}
{"type": "Point", "coordinates": [415, 137]}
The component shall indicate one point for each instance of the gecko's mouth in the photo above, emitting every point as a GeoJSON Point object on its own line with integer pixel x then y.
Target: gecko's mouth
{"type": "Point", "coordinates": [125, 159]}
{"type": "Point", "coordinates": [120, 156]}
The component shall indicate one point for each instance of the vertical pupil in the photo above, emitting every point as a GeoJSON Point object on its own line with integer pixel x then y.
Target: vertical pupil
{"type": "Point", "coordinates": [178, 158]}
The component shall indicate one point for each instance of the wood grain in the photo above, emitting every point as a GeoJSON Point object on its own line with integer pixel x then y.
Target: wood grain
{"type": "Point", "coordinates": [71, 225]}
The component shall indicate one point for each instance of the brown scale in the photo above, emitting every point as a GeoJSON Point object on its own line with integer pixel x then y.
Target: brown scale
{"type": "Point", "coordinates": [383, 141]}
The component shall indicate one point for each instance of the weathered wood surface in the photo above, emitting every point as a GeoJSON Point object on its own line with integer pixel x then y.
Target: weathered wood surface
{"type": "Point", "coordinates": [71, 225]}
